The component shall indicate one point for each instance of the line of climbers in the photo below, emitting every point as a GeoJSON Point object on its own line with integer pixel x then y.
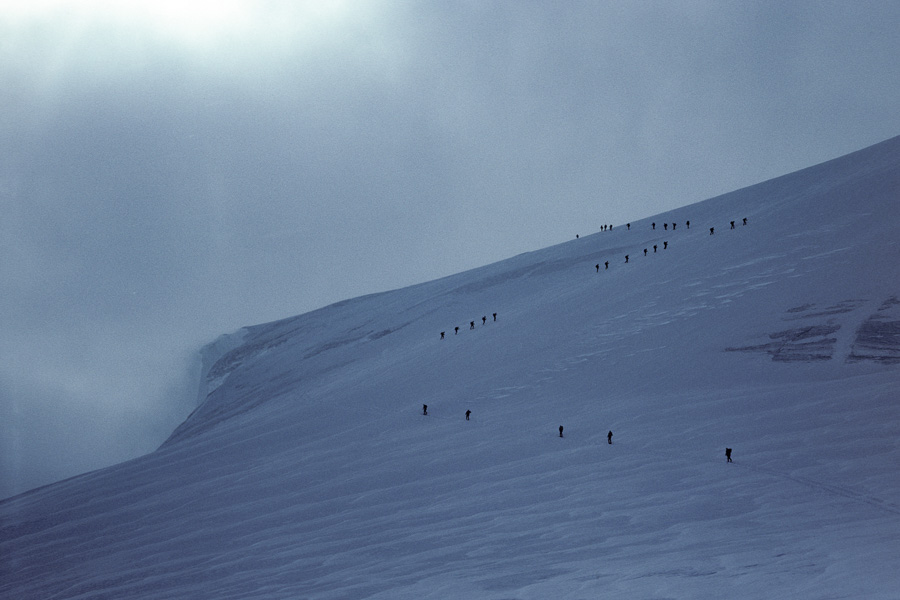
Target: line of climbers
{"type": "Point", "coordinates": [471, 325]}
{"type": "Point", "coordinates": [606, 263]}
{"type": "Point", "coordinates": [665, 243]}
{"type": "Point", "coordinates": [665, 226]}
{"type": "Point", "coordinates": [609, 436]}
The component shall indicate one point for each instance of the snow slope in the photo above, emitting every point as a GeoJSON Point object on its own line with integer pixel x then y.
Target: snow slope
{"type": "Point", "coordinates": [309, 470]}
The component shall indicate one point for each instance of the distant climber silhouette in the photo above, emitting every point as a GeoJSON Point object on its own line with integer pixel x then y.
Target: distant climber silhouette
{"type": "Point", "coordinates": [609, 438]}
{"type": "Point", "coordinates": [607, 264]}
{"type": "Point", "coordinates": [728, 454]}
{"type": "Point", "coordinates": [495, 314]}
{"type": "Point", "coordinates": [732, 224]}
{"type": "Point", "coordinates": [666, 226]}
{"type": "Point", "coordinates": [468, 412]}
{"type": "Point", "coordinates": [745, 220]}
{"type": "Point", "coordinates": [456, 331]}
{"type": "Point", "coordinates": [560, 431]}
{"type": "Point", "coordinates": [712, 230]}
{"type": "Point", "coordinates": [442, 335]}
{"type": "Point", "coordinates": [471, 324]}
{"type": "Point", "coordinates": [598, 267]}
{"type": "Point", "coordinates": [688, 223]}
{"type": "Point", "coordinates": [626, 258]}
{"type": "Point", "coordinates": [424, 409]}
{"type": "Point", "coordinates": [484, 319]}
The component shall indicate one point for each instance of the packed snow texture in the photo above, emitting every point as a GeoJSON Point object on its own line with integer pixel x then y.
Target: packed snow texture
{"type": "Point", "coordinates": [310, 471]}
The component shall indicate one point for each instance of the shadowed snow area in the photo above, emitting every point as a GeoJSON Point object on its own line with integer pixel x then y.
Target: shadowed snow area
{"type": "Point", "coordinates": [309, 470]}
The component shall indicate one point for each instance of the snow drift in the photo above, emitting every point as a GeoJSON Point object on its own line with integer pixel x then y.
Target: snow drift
{"type": "Point", "coordinates": [309, 470]}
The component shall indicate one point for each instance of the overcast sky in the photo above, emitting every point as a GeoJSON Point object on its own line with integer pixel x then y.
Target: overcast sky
{"type": "Point", "coordinates": [172, 171]}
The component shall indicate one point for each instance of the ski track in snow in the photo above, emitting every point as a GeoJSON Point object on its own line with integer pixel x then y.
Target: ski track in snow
{"type": "Point", "coordinates": [837, 490]}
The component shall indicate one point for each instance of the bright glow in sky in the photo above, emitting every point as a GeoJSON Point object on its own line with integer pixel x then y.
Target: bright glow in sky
{"type": "Point", "coordinates": [195, 24]}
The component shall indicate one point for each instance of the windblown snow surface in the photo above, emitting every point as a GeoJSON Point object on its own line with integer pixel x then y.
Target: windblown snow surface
{"type": "Point", "coordinates": [309, 470]}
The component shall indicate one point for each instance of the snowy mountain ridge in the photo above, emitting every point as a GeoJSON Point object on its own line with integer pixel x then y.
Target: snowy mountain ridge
{"type": "Point", "coordinates": [212, 374]}
{"type": "Point", "coordinates": [310, 471]}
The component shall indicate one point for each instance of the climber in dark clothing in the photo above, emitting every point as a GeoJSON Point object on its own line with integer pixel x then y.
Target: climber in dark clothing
{"type": "Point", "coordinates": [560, 431]}
{"type": "Point", "coordinates": [607, 264]}
{"type": "Point", "coordinates": [626, 258]}
{"type": "Point", "coordinates": [712, 230]}
{"type": "Point", "coordinates": [442, 335]}
{"type": "Point", "coordinates": [495, 314]}
{"type": "Point", "coordinates": [653, 225]}
{"type": "Point", "coordinates": [456, 331]}
{"type": "Point", "coordinates": [732, 224]}
{"type": "Point", "coordinates": [745, 220]}
{"type": "Point", "coordinates": [645, 252]}
{"type": "Point", "coordinates": [609, 437]}
{"type": "Point", "coordinates": [688, 223]}
{"type": "Point", "coordinates": [468, 412]}
{"type": "Point", "coordinates": [424, 409]}
{"type": "Point", "coordinates": [728, 454]}
{"type": "Point", "coordinates": [598, 267]}
{"type": "Point", "coordinates": [471, 324]}
{"type": "Point", "coordinates": [665, 245]}
{"type": "Point", "coordinates": [654, 248]}
{"type": "Point", "coordinates": [483, 320]}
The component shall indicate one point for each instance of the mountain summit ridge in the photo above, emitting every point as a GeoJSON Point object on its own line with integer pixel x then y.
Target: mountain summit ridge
{"type": "Point", "coordinates": [310, 470]}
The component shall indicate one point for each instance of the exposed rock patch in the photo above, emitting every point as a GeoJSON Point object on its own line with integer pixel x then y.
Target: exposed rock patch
{"type": "Point", "coordinates": [878, 338]}
{"type": "Point", "coordinates": [803, 344]}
